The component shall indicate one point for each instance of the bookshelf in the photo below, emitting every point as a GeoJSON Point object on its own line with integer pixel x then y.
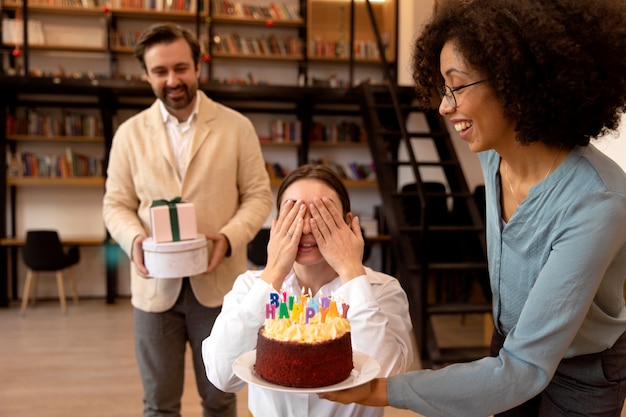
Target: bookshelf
{"type": "Point", "coordinates": [256, 42]}
{"type": "Point", "coordinates": [42, 144]}
{"type": "Point", "coordinates": [108, 98]}
{"type": "Point", "coordinates": [276, 42]}
{"type": "Point", "coordinates": [330, 34]}
{"type": "Point", "coordinates": [91, 68]}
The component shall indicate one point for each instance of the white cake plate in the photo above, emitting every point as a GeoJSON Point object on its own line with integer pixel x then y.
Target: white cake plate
{"type": "Point", "coordinates": [365, 369]}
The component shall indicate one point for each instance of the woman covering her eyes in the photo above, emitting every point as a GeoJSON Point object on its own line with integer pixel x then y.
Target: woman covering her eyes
{"type": "Point", "coordinates": [527, 85]}
{"type": "Point", "coordinates": [315, 243]}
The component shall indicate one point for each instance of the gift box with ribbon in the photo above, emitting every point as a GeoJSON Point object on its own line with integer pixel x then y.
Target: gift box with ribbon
{"type": "Point", "coordinates": [175, 259]}
{"type": "Point", "coordinates": [172, 220]}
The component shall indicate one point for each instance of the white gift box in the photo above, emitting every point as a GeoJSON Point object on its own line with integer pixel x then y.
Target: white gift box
{"type": "Point", "coordinates": [175, 259]}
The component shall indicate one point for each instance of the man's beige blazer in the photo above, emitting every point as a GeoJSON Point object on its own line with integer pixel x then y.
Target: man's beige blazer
{"type": "Point", "coordinates": [226, 180]}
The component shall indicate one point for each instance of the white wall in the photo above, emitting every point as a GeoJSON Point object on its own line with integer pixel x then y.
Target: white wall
{"type": "Point", "coordinates": [615, 145]}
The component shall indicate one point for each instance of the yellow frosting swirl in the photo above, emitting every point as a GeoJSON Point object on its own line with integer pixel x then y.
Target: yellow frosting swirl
{"type": "Point", "coordinates": [314, 331]}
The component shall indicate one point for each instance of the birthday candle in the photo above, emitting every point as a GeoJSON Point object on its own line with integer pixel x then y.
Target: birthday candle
{"type": "Point", "coordinates": [291, 298]}
{"type": "Point", "coordinates": [274, 299]}
{"type": "Point", "coordinates": [283, 312]}
{"type": "Point", "coordinates": [323, 313]}
{"type": "Point", "coordinates": [270, 311]}
{"type": "Point", "coordinates": [303, 299]}
{"type": "Point", "coordinates": [332, 310]}
{"type": "Point", "coordinates": [297, 311]}
{"type": "Point", "coordinates": [310, 313]}
{"type": "Point", "coordinates": [344, 307]}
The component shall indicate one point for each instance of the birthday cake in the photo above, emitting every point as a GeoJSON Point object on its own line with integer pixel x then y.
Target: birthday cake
{"type": "Point", "coordinates": [304, 342]}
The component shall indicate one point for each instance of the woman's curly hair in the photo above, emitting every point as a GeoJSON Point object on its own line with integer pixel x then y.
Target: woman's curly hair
{"type": "Point", "coordinates": [558, 66]}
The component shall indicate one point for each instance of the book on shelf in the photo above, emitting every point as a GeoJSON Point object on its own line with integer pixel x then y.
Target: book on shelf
{"type": "Point", "coordinates": [233, 43]}
{"type": "Point", "coordinates": [286, 131]}
{"type": "Point", "coordinates": [67, 165]}
{"type": "Point", "coordinates": [158, 5]}
{"type": "Point", "coordinates": [355, 171]}
{"type": "Point", "coordinates": [36, 123]}
{"type": "Point", "coordinates": [269, 10]}
{"type": "Point", "coordinates": [363, 49]}
{"type": "Point", "coordinates": [337, 132]}
{"type": "Point", "coordinates": [54, 3]}
{"type": "Point", "coordinates": [275, 171]}
{"type": "Point", "coordinates": [124, 39]}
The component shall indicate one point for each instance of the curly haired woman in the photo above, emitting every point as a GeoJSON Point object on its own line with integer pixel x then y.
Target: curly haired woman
{"type": "Point", "coordinates": [527, 85]}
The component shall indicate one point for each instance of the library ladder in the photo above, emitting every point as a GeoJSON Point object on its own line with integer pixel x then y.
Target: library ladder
{"type": "Point", "coordinates": [436, 227]}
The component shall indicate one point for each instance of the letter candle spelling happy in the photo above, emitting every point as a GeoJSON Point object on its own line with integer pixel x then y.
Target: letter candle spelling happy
{"type": "Point", "coordinates": [286, 307]}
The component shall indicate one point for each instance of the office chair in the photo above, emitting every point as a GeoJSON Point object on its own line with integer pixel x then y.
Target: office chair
{"type": "Point", "coordinates": [43, 252]}
{"type": "Point", "coordinates": [257, 249]}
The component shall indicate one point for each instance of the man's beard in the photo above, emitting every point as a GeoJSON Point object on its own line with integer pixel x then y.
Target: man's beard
{"type": "Point", "coordinates": [181, 102]}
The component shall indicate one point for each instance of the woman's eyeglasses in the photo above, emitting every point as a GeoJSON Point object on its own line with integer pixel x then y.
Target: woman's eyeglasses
{"type": "Point", "coordinates": [448, 92]}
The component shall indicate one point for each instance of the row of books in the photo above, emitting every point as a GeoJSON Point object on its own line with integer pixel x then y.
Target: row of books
{"type": "Point", "coordinates": [285, 131]}
{"type": "Point", "coordinates": [280, 11]}
{"type": "Point", "coordinates": [68, 165]}
{"type": "Point", "coordinates": [161, 5]}
{"type": "Point", "coordinates": [351, 171]}
{"type": "Point", "coordinates": [363, 49]}
{"type": "Point", "coordinates": [355, 171]}
{"type": "Point", "coordinates": [164, 5]}
{"type": "Point", "coordinates": [232, 43]}
{"type": "Point", "coordinates": [337, 132]}
{"type": "Point", "coordinates": [124, 39]}
{"type": "Point", "coordinates": [275, 171]}
{"type": "Point", "coordinates": [34, 123]}
{"type": "Point", "coordinates": [55, 3]}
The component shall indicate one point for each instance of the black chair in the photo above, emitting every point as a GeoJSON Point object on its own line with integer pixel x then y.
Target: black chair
{"type": "Point", "coordinates": [43, 252]}
{"type": "Point", "coordinates": [438, 247]}
{"type": "Point", "coordinates": [257, 248]}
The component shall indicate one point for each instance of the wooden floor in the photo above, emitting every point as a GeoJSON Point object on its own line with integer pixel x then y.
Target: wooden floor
{"type": "Point", "coordinates": [83, 364]}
